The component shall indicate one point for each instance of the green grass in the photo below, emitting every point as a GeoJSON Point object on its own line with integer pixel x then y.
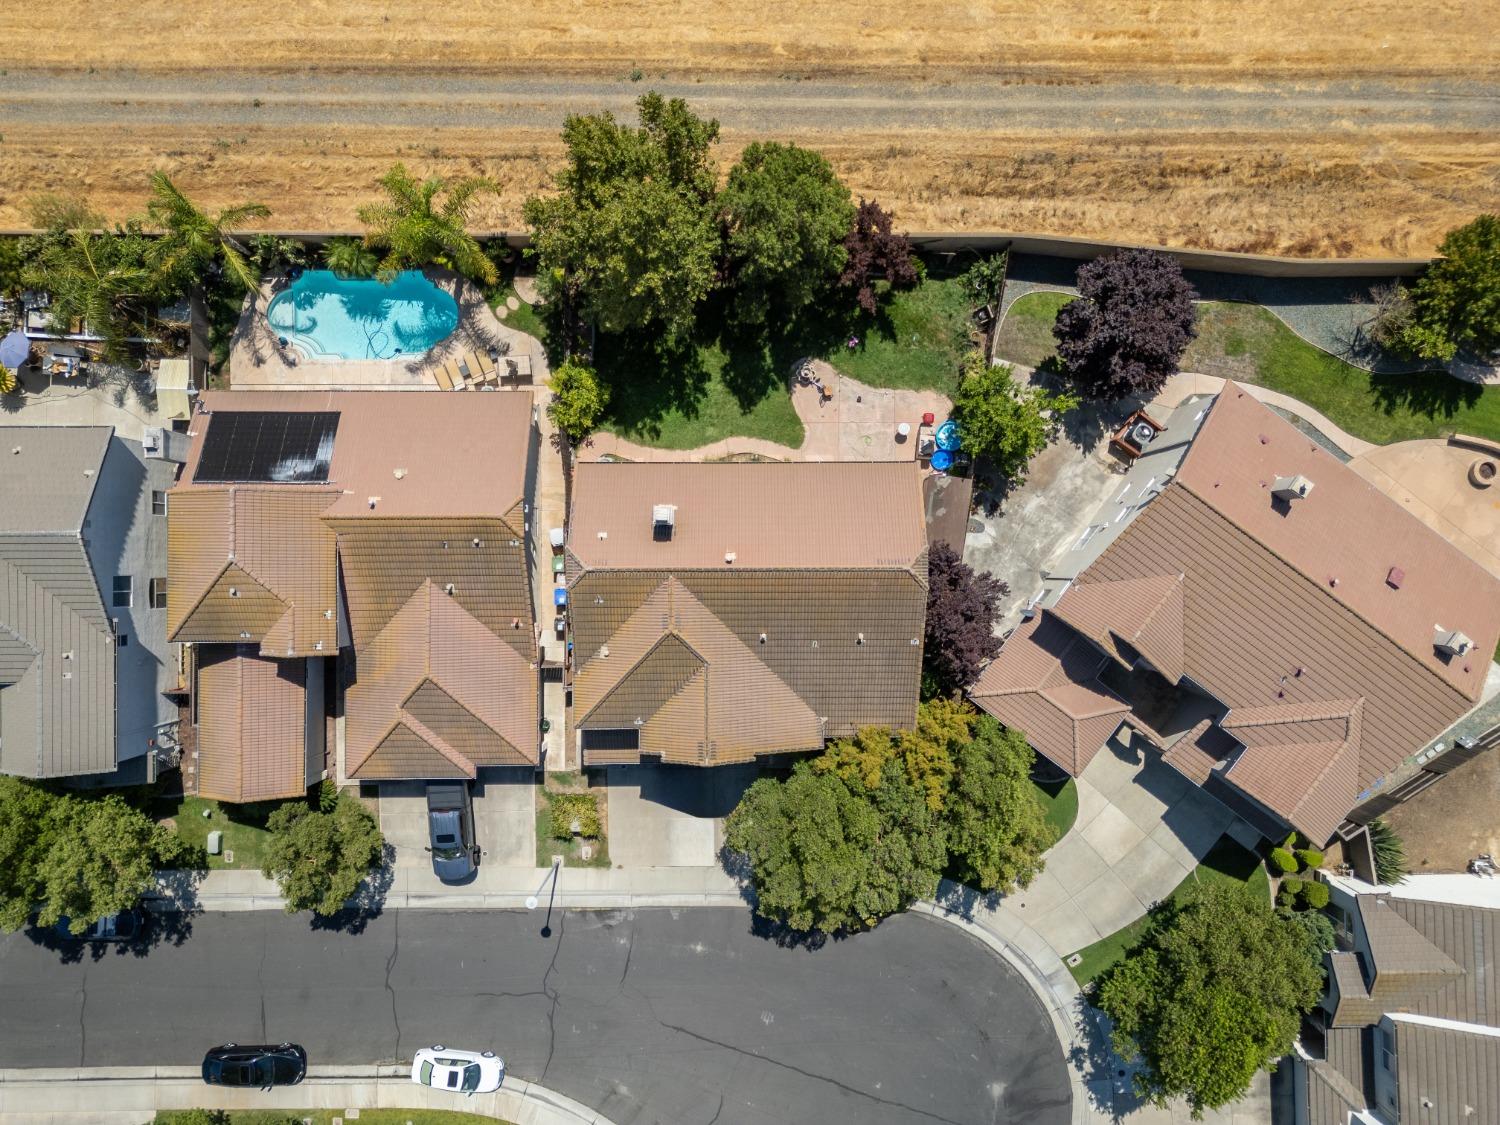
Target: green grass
{"type": "Point", "coordinates": [326, 1117]}
{"type": "Point", "coordinates": [548, 845]}
{"type": "Point", "coordinates": [243, 826]}
{"type": "Point", "coordinates": [524, 318]}
{"type": "Point", "coordinates": [915, 342]}
{"type": "Point", "coordinates": [1059, 805]}
{"type": "Point", "coordinates": [1249, 343]}
{"type": "Point", "coordinates": [1226, 862]}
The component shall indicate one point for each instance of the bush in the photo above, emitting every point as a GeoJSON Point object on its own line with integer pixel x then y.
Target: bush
{"type": "Point", "coordinates": [1282, 861]}
{"type": "Point", "coordinates": [319, 859]}
{"type": "Point", "coordinates": [328, 795]}
{"type": "Point", "coordinates": [578, 399]}
{"type": "Point", "coordinates": [1310, 858]}
{"type": "Point", "coordinates": [1314, 895]}
{"type": "Point", "coordinates": [1390, 854]}
{"type": "Point", "coordinates": [1003, 421]}
{"type": "Point", "coordinates": [568, 807]}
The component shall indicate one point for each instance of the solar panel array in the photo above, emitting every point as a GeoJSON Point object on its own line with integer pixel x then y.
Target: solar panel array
{"type": "Point", "coordinates": [267, 447]}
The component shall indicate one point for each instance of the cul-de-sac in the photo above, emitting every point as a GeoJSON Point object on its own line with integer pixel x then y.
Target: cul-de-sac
{"type": "Point", "coordinates": [606, 565]}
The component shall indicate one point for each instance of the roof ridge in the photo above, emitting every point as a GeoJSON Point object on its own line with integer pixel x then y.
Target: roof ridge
{"type": "Point", "coordinates": [1414, 658]}
{"type": "Point", "coordinates": [432, 738]}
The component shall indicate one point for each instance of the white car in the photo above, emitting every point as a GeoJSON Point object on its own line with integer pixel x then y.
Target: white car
{"type": "Point", "coordinates": [464, 1072]}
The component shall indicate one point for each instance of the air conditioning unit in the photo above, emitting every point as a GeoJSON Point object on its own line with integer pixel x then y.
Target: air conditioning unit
{"type": "Point", "coordinates": [1291, 488]}
{"type": "Point", "coordinates": [165, 445]}
{"type": "Point", "coordinates": [1451, 642]}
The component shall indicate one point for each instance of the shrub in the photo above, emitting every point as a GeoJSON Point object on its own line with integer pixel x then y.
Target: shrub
{"type": "Point", "coordinates": [328, 795]}
{"type": "Point", "coordinates": [1390, 854]}
{"type": "Point", "coordinates": [578, 399]}
{"type": "Point", "coordinates": [1004, 421]}
{"type": "Point", "coordinates": [1283, 862]}
{"type": "Point", "coordinates": [1315, 895]}
{"type": "Point", "coordinates": [1310, 858]}
{"type": "Point", "coordinates": [1456, 303]}
{"type": "Point", "coordinates": [7, 380]}
{"type": "Point", "coordinates": [568, 807]}
{"type": "Point", "coordinates": [1286, 897]}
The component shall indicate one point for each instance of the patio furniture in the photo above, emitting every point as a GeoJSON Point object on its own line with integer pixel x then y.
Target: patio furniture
{"type": "Point", "coordinates": [444, 380]}
{"type": "Point", "coordinates": [517, 367]}
{"type": "Point", "coordinates": [480, 367]}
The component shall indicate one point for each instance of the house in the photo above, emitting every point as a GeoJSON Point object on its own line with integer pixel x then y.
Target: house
{"type": "Point", "coordinates": [1283, 632]}
{"type": "Point", "coordinates": [1408, 1029]}
{"type": "Point", "coordinates": [85, 664]}
{"type": "Point", "coordinates": [370, 545]}
{"type": "Point", "coordinates": [721, 612]}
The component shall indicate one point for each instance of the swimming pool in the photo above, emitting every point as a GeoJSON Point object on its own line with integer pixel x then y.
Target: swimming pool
{"type": "Point", "coordinates": [331, 317]}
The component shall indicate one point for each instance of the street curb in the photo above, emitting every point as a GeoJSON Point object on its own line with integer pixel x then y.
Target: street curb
{"type": "Point", "coordinates": [145, 1089]}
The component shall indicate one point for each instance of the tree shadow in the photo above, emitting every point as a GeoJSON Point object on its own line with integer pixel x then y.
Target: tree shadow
{"type": "Point", "coordinates": [648, 379]}
{"type": "Point", "coordinates": [1433, 394]}
{"type": "Point", "coordinates": [368, 902]}
{"type": "Point", "coordinates": [1109, 1078]}
{"type": "Point", "coordinates": [963, 901]}
{"type": "Point", "coordinates": [172, 927]}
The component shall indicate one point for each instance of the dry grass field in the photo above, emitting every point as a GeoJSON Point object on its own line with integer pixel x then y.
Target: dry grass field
{"type": "Point", "coordinates": [1382, 133]}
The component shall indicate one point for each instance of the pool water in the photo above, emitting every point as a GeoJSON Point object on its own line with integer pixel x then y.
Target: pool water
{"type": "Point", "coordinates": [331, 317]}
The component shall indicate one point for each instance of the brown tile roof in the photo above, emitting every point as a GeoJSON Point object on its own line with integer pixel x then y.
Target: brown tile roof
{"type": "Point", "coordinates": [697, 693]}
{"type": "Point", "coordinates": [1196, 753]}
{"type": "Point", "coordinates": [1044, 683]}
{"type": "Point", "coordinates": [1144, 612]}
{"type": "Point", "coordinates": [438, 687]}
{"type": "Point", "coordinates": [257, 560]}
{"type": "Point", "coordinates": [830, 570]}
{"type": "Point", "coordinates": [251, 725]}
{"type": "Point", "coordinates": [797, 515]}
{"type": "Point", "coordinates": [1344, 529]}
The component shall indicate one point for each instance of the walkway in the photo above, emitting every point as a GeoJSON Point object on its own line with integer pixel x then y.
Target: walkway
{"type": "Point", "coordinates": [74, 1096]}
{"type": "Point", "coordinates": [857, 424]}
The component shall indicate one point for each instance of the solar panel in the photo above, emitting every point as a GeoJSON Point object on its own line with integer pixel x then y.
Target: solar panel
{"type": "Point", "coordinates": [267, 446]}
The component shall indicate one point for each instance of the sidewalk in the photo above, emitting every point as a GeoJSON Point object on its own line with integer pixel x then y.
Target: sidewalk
{"type": "Point", "coordinates": [134, 1094]}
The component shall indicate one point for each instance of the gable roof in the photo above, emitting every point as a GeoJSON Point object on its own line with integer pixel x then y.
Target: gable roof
{"type": "Point", "coordinates": [439, 687]}
{"type": "Point", "coordinates": [251, 725]}
{"type": "Point", "coordinates": [820, 612]}
{"type": "Point", "coordinates": [57, 659]}
{"type": "Point", "coordinates": [1145, 612]}
{"type": "Point", "coordinates": [1045, 684]}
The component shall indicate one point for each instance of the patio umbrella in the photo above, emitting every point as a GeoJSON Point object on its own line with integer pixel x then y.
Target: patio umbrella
{"type": "Point", "coordinates": [14, 349]}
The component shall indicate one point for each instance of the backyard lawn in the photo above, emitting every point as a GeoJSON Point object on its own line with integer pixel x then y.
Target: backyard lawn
{"type": "Point", "coordinates": [1226, 862]}
{"type": "Point", "coordinates": [914, 343]}
{"type": "Point", "coordinates": [1248, 343]}
{"type": "Point", "coordinates": [1059, 804]}
{"type": "Point", "coordinates": [244, 827]}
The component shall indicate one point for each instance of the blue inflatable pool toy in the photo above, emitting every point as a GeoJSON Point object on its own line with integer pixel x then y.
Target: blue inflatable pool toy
{"type": "Point", "coordinates": [947, 436]}
{"type": "Point", "coordinates": [942, 460]}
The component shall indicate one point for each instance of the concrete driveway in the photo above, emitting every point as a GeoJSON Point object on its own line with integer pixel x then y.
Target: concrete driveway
{"type": "Point", "coordinates": [504, 818]}
{"type": "Point", "coordinates": [672, 816]}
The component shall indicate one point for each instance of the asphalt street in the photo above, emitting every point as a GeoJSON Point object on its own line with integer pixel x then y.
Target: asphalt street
{"type": "Point", "coordinates": [682, 1016]}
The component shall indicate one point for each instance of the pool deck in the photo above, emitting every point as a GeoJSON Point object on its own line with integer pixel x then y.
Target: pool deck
{"type": "Point", "coordinates": [258, 363]}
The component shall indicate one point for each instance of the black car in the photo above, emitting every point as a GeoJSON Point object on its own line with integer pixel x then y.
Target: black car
{"type": "Point", "coordinates": [124, 926]}
{"type": "Point", "coordinates": [450, 829]}
{"type": "Point", "coordinates": [255, 1066]}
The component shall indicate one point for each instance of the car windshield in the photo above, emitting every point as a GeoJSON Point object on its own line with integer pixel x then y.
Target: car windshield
{"type": "Point", "coordinates": [426, 1073]}
{"type": "Point", "coordinates": [471, 1077]}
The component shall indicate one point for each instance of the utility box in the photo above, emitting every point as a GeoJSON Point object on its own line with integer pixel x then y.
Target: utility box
{"type": "Point", "coordinates": [215, 842]}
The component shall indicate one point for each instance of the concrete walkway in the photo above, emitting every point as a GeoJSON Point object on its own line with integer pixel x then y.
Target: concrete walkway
{"type": "Point", "coordinates": [134, 1094]}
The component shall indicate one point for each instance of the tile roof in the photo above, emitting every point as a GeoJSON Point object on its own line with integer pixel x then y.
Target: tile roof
{"type": "Point", "coordinates": [437, 686]}
{"type": "Point", "coordinates": [57, 649]}
{"type": "Point", "coordinates": [1144, 612]}
{"type": "Point", "coordinates": [1044, 683]}
{"type": "Point", "coordinates": [1196, 753]}
{"type": "Point", "coordinates": [823, 608]}
{"type": "Point", "coordinates": [796, 515]}
{"type": "Point", "coordinates": [251, 725]}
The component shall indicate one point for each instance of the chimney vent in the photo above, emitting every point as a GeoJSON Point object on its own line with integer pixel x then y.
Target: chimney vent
{"type": "Point", "coordinates": [448, 588]}
{"type": "Point", "coordinates": [1451, 642]}
{"type": "Point", "coordinates": [729, 557]}
{"type": "Point", "coordinates": [663, 519]}
{"type": "Point", "coordinates": [1291, 488]}
{"type": "Point", "coordinates": [399, 473]}
{"type": "Point", "coordinates": [1394, 577]}
{"type": "Point", "coordinates": [859, 639]}
{"type": "Point", "coordinates": [373, 501]}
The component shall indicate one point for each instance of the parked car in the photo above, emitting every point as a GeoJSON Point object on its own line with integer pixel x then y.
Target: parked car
{"type": "Point", "coordinates": [465, 1072]}
{"type": "Point", "coordinates": [124, 926]}
{"type": "Point", "coordinates": [450, 830]}
{"type": "Point", "coordinates": [255, 1066]}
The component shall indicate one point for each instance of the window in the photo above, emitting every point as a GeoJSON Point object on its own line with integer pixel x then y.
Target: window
{"type": "Point", "coordinates": [122, 640]}
{"type": "Point", "coordinates": [122, 598]}
{"type": "Point", "coordinates": [158, 593]}
{"type": "Point", "coordinates": [158, 502]}
{"type": "Point", "coordinates": [1387, 1051]}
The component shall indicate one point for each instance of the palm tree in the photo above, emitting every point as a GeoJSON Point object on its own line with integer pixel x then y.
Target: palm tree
{"type": "Point", "coordinates": [350, 257]}
{"type": "Point", "coordinates": [192, 238]}
{"type": "Point", "coordinates": [104, 280]}
{"type": "Point", "coordinates": [414, 230]}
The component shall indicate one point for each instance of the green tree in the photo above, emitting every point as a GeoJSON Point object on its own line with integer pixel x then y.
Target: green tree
{"type": "Point", "coordinates": [1214, 993]}
{"type": "Point", "coordinates": [412, 227]}
{"type": "Point", "coordinates": [578, 399]}
{"type": "Point", "coordinates": [350, 257]}
{"type": "Point", "coordinates": [25, 822]}
{"type": "Point", "coordinates": [319, 859]}
{"type": "Point", "coordinates": [11, 263]}
{"type": "Point", "coordinates": [827, 857]}
{"type": "Point", "coordinates": [1456, 303]}
{"type": "Point", "coordinates": [785, 216]}
{"type": "Point", "coordinates": [104, 280]}
{"type": "Point", "coordinates": [997, 831]}
{"type": "Point", "coordinates": [630, 241]}
{"type": "Point", "coordinates": [192, 240]}
{"type": "Point", "coordinates": [1002, 421]}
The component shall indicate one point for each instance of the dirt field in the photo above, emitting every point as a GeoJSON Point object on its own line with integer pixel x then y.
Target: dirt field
{"type": "Point", "coordinates": [1368, 129]}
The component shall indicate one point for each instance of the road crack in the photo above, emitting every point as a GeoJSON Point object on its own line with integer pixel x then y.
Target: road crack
{"type": "Point", "coordinates": [390, 964]}
{"type": "Point", "coordinates": [552, 994]}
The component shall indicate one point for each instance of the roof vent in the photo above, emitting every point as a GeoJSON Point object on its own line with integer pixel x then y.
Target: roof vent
{"type": "Point", "coordinates": [318, 645]}
{"type": "Point", "coordinates": [399, 474]}
{"type": "Point", "coordinates": [762, 638]}
{"type": "Point", "coordinates": [604, 535]}
{"type": "Point", "coordinates": [476, 542]}
{"type": "Point", "coordinates": [663, 519]}
{"type": "Point", "coordinates": [15, 449]}
{"type": "Point", "coordinates": [373, 501]}
{"type": "Point", "coordinates": [328, 614]}
{"type": "Point", "coordinates": [244, 634]}
{"type": "Point", "coordinates": [859, 638]}
{"type": "Point", "coordinates": [1291, 488]}
{"type": "Point", "coordinates": [729, 557]}
{"type": "Point", "coordinates": [234, 591]}
{"type": "Point", "coordinates": [1450, 641]}
{"type": "Point", "coordinates": [448, 589]}
{"type": "Point", "coordinates": [1394, 577]}
{"type": "Point", "coordinates": [603, 650]}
